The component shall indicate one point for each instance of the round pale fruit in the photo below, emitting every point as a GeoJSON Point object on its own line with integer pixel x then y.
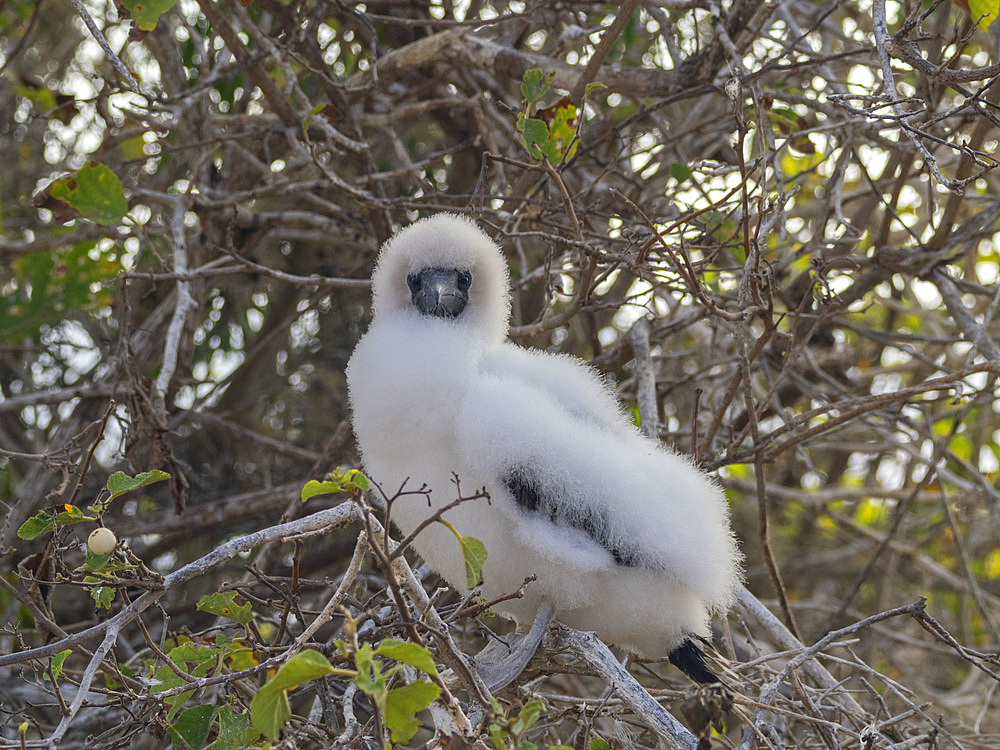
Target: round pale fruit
{"type": "Point", "coordinates": [102, 541]}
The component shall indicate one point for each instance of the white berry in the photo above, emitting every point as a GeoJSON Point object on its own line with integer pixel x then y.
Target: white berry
{"type": "Point", "coordinates": [102, 541]}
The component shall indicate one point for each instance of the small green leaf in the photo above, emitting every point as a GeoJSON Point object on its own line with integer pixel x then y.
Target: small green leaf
{"type": "Point", "coordinates": [95, 192]}
{"type": "Point", "coordinates": [119, 483]}
{"type": "Point", "coordinates": [359, 480]}
{"type": "Point", "coordinates": [535, 84]}
{"type": "Point", "coordinates": [166, 679]}
{"type": "Point", "coordinates": [312, 112]}
{"type": "Point", "coordinates": [38, 524]}
{"type": "Point", "coordinates": [534, 135]}
{"type": "Point", "coordinates": [238, 653]}
{"type": "Point", "coordinates": [352, 482]}
{"type": "Point", "coordinates": [314, 487]}
{"type": "Point", "coordinates": [680, 172]}
{"type": "Point", "coordinates": [102, 595]}
{"type": "Point", "coordinates": [474, 554]}
{"type": "Point", "coordinates": [404, 703]}
{"type": "Point", "coordinates": [71, 514]}
{"type": "Point", "coordinates": [191, 658]}
{"type": "Point", "coordinates": [563, 122]}
{"type": "Point", "coordinates": [561, 133]}
{"type": "Point", "coordinates": [190, 731]}
{"type": "Point", "coordinates": [57, 662]}
{"type": "Point", "coordinates": [146, 13]}
{"type": "Point", "coordinates": [528, 716]}
{"type": "Point", "coordinates": [592, 87]}
{"type": "Point", "coordinates": [94, 561]}
{"type": "Point", "coordinates": [235, 731]}
{"type": "Point", "coordinates": [225, 605]}
{"type": "Point", "coordinates": [408, 653]}
{"type": "Point", "coordinates": [599, 744]}
{"type": "Point", "coordinates": [133, 148]}
{"type": "Point", "coordinates": [270, 709]}
{"type": "Point", "coordinates": [370, 678]}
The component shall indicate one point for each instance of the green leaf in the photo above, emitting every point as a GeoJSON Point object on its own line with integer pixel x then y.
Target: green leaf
{"type": "Point", "coordinates": [236, 652]}
{"type": "Point", "coordinates": [133, 148]}
{"type": "Point", "coordinates": [225, 605]}
{"type": "Point", "coordinates": [166, 679]}
{"type": "Point", "coordinates": [102, 595]}
{"type": "Point", "coordinates": [598, 744]}
{"type": "Point", "coordinates": [95, 562]}
{"type": "Point", "coordinates": [270, 708]}
{"type": "Point", "coordinates": [680, 172]}
{"type": "Point", "coordinates": [408, 653]}
{"type": "Point", "coordinates": [352, 482]}
{"type": "Point", "coordinates": [314, 487]}
{"type": "Point", "coordinates": [190, 658]}
{"type": "Point", "coordinates": [358, 479]}
{"type": "Point", "coordinates": [38, 524]}
{"type": "Point", "coordinates": [95, 192]}
{"type": "Point", "coordinates": [269, 711]}
{"type": "Point", "coordinates": [235, 731]}
{"type": "Point", "coordinates": [190, 731]}
{"type": "Point", "coordinates": [403, 704]}
{"type": "Point", "coordinates": [528, 716]}
{"type": "Point", "coordinates": [52, 284]}
{"type": "Point", "coordinates": [57, 662]}
{"type": "Point", "coordinates": [535, 84]}
{"type": "Point", "coordinates": [71, 514]}
{"type": "Point", "coordinates": [474, 554]}
{"type": "Point", "coordinates": [312, 112]}
{"type": "Point", "coordinates": [193, 658]}
{"type": "Point", "coordinates": [119, 483]}
{"type": "Point", "coordinates": [592, 87]}
{"type": "Point", "coordinates": [561, 133]}
{"type": "Point", "coordinates": [146, 13]}
{"type": "Point", "coordinates": [534, 136]}
{"type": "Point", "coordinates": [370, 679]}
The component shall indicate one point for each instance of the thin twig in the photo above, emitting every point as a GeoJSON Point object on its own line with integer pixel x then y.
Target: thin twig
{"type": "Point", "coordinates": [99, 36]}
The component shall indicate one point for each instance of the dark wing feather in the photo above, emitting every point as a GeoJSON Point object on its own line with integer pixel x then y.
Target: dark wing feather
{"type": "Point", "coordinates": [525, 494]}
{"type": "Point", "coordinates": [528, 496]}
{"type": "Point", "coordinates": [691, 661]}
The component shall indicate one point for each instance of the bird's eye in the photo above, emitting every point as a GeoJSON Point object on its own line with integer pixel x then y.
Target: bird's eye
{"type": "Point", "coordinates": [464, 281]}
{"type": "Point", "coordinates": [413, 281]}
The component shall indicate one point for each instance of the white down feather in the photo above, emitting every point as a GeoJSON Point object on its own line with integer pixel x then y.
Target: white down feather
{"type": "Point", "coordinates": [433, 397]}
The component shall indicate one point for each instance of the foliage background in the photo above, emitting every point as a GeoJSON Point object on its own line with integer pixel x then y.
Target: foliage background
{"type": "Point", "coordinates": [801, 198]}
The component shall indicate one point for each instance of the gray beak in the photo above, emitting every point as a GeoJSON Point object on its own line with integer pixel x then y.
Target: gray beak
{"type": "Point", "coordinates": [441, 292]}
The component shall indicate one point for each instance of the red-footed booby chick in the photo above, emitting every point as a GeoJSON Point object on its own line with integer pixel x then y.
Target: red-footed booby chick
{"type": "Point", "coordinates": [625, 537]}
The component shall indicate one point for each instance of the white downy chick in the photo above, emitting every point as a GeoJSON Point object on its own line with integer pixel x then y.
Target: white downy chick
{"type": "Point", "coordinates": [626, 537]}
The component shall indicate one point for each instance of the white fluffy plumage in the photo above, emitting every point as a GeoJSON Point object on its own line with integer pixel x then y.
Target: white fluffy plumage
{"type": "Point", "coordinates": [627, 538]}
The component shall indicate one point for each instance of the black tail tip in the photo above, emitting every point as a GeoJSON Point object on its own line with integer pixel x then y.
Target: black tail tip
{"type": "Point", "coordinates": [691, 661]}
